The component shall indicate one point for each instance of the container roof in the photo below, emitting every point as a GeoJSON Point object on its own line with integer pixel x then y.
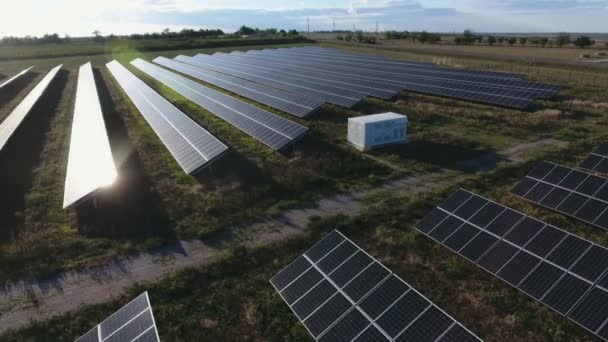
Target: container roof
{"type": "Point", "coordinates": [378, 117]}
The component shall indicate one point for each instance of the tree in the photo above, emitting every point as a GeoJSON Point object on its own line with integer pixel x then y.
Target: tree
{"type": "Point", "coordinates": [583, 42]}
{"type": "Point", "coordinates": [511, 41]}
{"type": "Point", "coordinates": [543, 41]}
{"type": "Point", "coordinates": [501, 40]}
{"type": "Point", "coordinates": [562, 39]}
{"type": "Point", "coordinates": [523, 40]}
{"type": "Point", "coordinates": [468, 37]}
{"type": "Point", "coordinates": [98, 36]}
{"type": "Point", "coordinates": [359, 35]}
{"type": "Point", "coordinates": [491, 40]}
{"type": "Point", "coordinates": [245, 31]}
{"type": "Point", "coordinates": [423, 37]}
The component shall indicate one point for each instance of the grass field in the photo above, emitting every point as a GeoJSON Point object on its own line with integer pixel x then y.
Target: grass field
{"type": "Point", "coordinates": [156, 203]}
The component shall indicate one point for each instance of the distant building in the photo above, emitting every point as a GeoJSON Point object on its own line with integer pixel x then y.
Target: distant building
{"type": "Point", "coordinates": [371, 131]}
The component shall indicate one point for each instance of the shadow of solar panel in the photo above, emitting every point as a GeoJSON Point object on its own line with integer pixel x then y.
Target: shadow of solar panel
{"type": "Point", "coordinates": [272, 81]}
{"type": "Point", "coordinates": [11, 123]}
{"type": "Point", "coordinates": [568, 191]}
{"type": "Point", "coordinates": [270, 129]}
{"type": "Point", "coordinates": [376, 89]}
{"type": "Point", "coordinates": [190, 144]}
{"type": "Point", "coordinates": [133, 322]}
{"type": "Point", "coordinates": [354, 297]}
{"type": "Point", "coordinates": [543, 261]}
{"type": "Point", "coordinates": [288, 102]}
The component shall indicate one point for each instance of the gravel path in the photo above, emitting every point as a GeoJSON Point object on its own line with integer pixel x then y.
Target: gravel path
{"type": "Point", "coordinates": [25, 301]}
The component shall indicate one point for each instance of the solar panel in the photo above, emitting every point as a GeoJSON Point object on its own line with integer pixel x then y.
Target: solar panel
{"type": "Point", "coordinates": [10, 80]}
{"type": "Point", "coordinates": [443, 72]}
{"type": "Point", "coordinates": [340, 293]}
{"type": "Point", "coordinates": [17, 116]}
{"type": "Point", "coordinates": [273, 130]}
{"type": "Point", "coordinates": [407, 74]}
{"type": "Point", "coordinates": [558, 269]}
{"type": "Point", "coordinates": [293, 87]}
{"type": "Point", "coordinates": [395, 63]}
{"type": "Point", "coordinates": [290, 79]}
{"type": "Point", "coordinates": [568, 191]}
{"type": "Point", "coordinates": [384, 92]}
{"type": "Point", "coordinates": [134, 322]}
{"type": "Point", "coordinates": [483, 94]}
{"type": "Point", "coordinates": [598, 160]}
{"type": "Point", "coordinates": [291, 103]}
{"type": "Point", "coordinates": [90, 162]}
{"type": "Point", "coordinates": [190, 144]}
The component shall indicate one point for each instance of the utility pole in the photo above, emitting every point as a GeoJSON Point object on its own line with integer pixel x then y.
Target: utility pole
{"type": "Point", "coordinates": [334, 27]}
{"type": "Point", "coordinates": [308, 23]}
{"type": "Point", "coordinates": [377, 30]}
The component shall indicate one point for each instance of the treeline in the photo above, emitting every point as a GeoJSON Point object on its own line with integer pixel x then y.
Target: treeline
{"type": "Point", "coordinates": [422, 37]}
{"type": "Point", "coordinates": [359, 36]}
{"type": "Point", "coordinates": [185, 33]}
{"type": "Point", "coordinates": [248, 31]}
{"type": "Point", "coordinates": [165, 34]}
{"type": "Point", "coordinates": [32, 40]}
{"type": "Point", "coordinates": [563, 39]}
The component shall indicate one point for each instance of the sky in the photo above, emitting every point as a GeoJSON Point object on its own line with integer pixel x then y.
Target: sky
{"type": "Point", "coordinates": [82, 17]}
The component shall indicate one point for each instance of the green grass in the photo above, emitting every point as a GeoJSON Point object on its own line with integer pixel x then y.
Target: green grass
{"type": "Point", "coordinates": [200, 303]}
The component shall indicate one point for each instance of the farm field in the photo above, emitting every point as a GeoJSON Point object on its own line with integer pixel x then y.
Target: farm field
{"type": "Point", "coordinates": [155, 204]}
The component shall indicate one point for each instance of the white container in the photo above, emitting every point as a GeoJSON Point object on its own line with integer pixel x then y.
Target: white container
{"type": "Point", "coordinates": [371, 131]}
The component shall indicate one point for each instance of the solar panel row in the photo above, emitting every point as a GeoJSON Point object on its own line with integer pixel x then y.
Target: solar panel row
{"type": "Point", "coordinates": [311, 84]}
{"type": "Point", "coordinates": [340, 293]}
{"type": "Point", "coordinates": [505, 97]}
{"type": "Point", "coordinates": [542, 90]}
{"type": "Point", "coordinates": [17, 116]}
{"type": "Point", "coordinates": [566, 190]}
{"type": "Point", "coordinates": [396, 62]}
{"type": "Point", "coordinates": [559, 269]}
{"type": "Point", "coordinates": [413, 70]}
{"type": "Point", "coordinates": [10, 80]}
{"type": "Point", "coordinates": [90, 162]}
{"type": "Point", "coordinates": [291, 103]}
{"type": "Point", "coordinates": [190, 144]}
{"type": "Point", "coordinates": [293, 87]}
{"type": "Point", "coordinates": [394, 82]}
{"type": "Point", "coordinates": [270, 129]}
{"type": "Point", "coordinates": [134, 322]}
{"type": "Point", "coordinates": [598, 160]}
{"type": "Point", "coordinates": [384, 91]}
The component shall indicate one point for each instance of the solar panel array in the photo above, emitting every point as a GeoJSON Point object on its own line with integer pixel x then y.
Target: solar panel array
{"type": "Point", "coordinates": [598, 160]}
{"type": "Point", "coordinates": [17, 116]}
{"type": "Point", "coordinates": [466, 77]}
{"type": "Point", "coordinates": [90, 162]}
{"type": "Point", "coordinates": [370, 88]}
{"type": "Point", "coordinates": [134, 322]}
{"type": "Point", "coordinates": [564, 272]}
{"type": "Point", "coordinates": [190, 144]}
{"type": "Point", "coordinates": [339, 73]}
{"type": "Point", "coordinates": [291, 103]}
{"type": "Point", "coordinates": [271, 81]}
{"type": "Point", "coordinates": [10, 80]}
{"type": "Point", "coordinates": [568, 191]}
{"type": "Point", "coordinates": [340, 293]}
{"type": "Point", "coordinates": [270, 129]}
